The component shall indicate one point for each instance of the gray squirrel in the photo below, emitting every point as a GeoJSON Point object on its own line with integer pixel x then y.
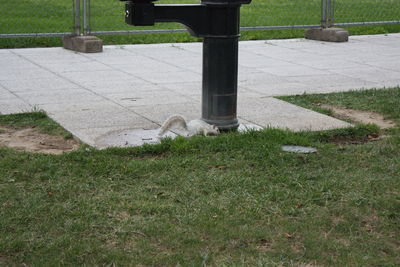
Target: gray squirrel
{"type": "Point", "coordinates": [193, 127]}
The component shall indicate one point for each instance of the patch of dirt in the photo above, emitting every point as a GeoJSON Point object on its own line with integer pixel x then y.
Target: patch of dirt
{"type": "Point", "coordinates": [361, 116]}
{"type": "Point", "coordinates": [264, 245]}
{"type": "Point", "coordinates": [31, 140]}
{"type": "Point", "coordinates": [3, 259]}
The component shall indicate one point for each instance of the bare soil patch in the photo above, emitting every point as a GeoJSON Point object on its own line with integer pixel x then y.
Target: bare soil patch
{"type": "Point", "coordinates": [361, 116]}
{"type": "Point", "coordinates": [31, 140]}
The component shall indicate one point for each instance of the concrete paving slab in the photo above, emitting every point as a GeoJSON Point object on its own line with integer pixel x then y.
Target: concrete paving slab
{"type": "Point", "coordinates": [53, 54]}
{"type": "Point", "coordinates": [162, 51]}
{"type": "Point", "coordinates": [77, 106]}
{"type": "Point", "coordinates": [330, 64]}
{"type": "Point", "coordinates": [393, 64]}
{"type": "Point", "coordinates": [14, 105]}
{"type": "Point", "coordinates": [5, 94]}
{"type": "Point", "coordinates": [272, 112]}
{"type": "Point", "coordinates": [252, 60]}
{"type": "Point", "coordinates": [194, 46]}
{"type": "Point", "coordinates": [14, 63]}
{"type": "Point", "coordinates": [328, 80]}
{"type": "Point", "coordinates": [250, 78]}
{"type": "Point", "coordinates": [59, 96]}
{"type": "Point", "coordinates": [91, 135]}
{"type": "Point", "coordinates": [110, 87]}
{"type": "Point", "coordinates": [120, 59]}
{"type": "Point", "coordinates": [61, 67]}
{"type": "Point", "coordinates": [292, 71]}
{"type": "Point", "coordinates": [128, 137]}
{"type": "Point", "coordinates": [145, 67]}
{"type": "Point", "coordinates": [367, 73]}
{"type": "Point", "coordinates": [287, 88]}
{"type": "Point", "coordinates": [136, 87]}
{"type": "Point", "coordinates": [190, 89]}
{"type": "Point", "coordinates": [28, 74]}
{"type": "Point", "coordinates": [181, 61]}
{"type": "Point", "coordinates": [100, 118]}
{"type": "Point", "coordinates": [154, 98]}
{"type": "Point", "coordinates": [101, 75]}
{"type": "Point", "coordinates": [190, 110]}
{"type": "Point", "coordinates": [38, 85]}
{"type": "Point", "coordinates": [367, 57]}
{"type": "Point", "coordinates": [171, 77]}
{"type": "Point", "coordinates": [137, 137]}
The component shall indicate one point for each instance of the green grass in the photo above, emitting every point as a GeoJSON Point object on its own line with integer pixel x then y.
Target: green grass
{"type": "Point", "coordinates": [37, 119]}
{"type": "Point", "coordinates": [31, 16]}
{"type": "Point", "coordinates": [386, 101]}
{"type": "Point", "coordinates": [233, 200]}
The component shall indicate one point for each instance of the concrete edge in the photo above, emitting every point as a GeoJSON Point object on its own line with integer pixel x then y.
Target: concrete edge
{"type": "Point", "coordinates": [83, 43]}
{"type": "Point", "coordinates": [327, 34]}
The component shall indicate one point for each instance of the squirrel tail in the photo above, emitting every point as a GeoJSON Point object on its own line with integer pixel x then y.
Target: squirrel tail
{"type": "Point", "coordinates": [173, 120]}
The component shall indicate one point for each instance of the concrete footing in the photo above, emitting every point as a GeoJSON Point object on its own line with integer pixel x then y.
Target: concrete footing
{"type": "Point", "coordinates": [327, 34]}
{"type": "Point", "coordinates": [83, 43]}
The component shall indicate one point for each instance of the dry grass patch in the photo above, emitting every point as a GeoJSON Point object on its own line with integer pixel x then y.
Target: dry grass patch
{"type": "Point", "coordinates": [32, 140]}
{"type": "Point", "coordinates": [361, 116]}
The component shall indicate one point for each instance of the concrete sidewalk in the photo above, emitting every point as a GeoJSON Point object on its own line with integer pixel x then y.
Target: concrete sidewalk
{"type": "Point", "coordinates": [114, 97]}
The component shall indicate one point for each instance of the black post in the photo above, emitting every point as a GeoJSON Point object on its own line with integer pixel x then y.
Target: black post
{"type": "Point", "coordinates": [220, 70]}
{"type": "Point", "coordinates": [217, 21]}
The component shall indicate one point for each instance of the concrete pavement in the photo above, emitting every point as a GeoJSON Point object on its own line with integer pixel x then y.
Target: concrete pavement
{"type": "Point", "coordinates": [120, 96]}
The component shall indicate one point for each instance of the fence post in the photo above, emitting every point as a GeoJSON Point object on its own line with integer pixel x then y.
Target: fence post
{"type": "Point", "coordinates": [77, 17]}
{"type": "Point", "coordinates": [81, 40]}
{"type": "Point", "coordinates": [327, 31]}
{"type": "Point", "coordinates": [327, 13]}
{"type": "Point", "coordinates": [86, 17]}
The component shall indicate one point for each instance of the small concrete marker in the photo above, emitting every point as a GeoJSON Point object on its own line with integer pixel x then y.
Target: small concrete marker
{"type": "Point", "coordinates": [83, 43]}
{"type": "Point", "coordinates": [130, 138]}
{"type": "Point", "coordinates": [138, 137]}
{"type": "Point", "coordinates": [299, 149]}
{"type": "Point", "coordinates": [328, 34]}
{"type": "Point", "coordinates": [249, 127]}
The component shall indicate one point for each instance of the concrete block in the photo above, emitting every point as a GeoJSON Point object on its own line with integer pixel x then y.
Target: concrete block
{"type": "Point", "coordinates": [14, 105]}
{"type": "Point", "coordinates": [328, 34]}
{"type": "Point", "coordinates": [272, 112]}
{"type": "Point", "coordinates": [84, 43]}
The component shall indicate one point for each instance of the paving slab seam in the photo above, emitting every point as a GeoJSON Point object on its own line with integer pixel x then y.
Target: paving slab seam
{"type": "Point", "coordinates": [17, 96]}
{"type": "Point", "coordinates": [168, 62]}
{"type": "Point", "coordinates": [140, 78]}
{"type": "Point", "coordinates": [147, 56]}
{"type": "Point", "coordinates": [82, 87]}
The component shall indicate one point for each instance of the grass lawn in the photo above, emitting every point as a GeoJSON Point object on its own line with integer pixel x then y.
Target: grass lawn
{"type": "Point", "coordinates": [233, 200]}
{"type": "Point", "coordinates": [32, 16]}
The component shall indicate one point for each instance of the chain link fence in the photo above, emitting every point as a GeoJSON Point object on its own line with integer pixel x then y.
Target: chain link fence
{"type": "Point", "coordinates": [32, 18]}
{"type": "Point", "coordinates": [366, 12]}
{"type": "Point", "coordinates": [35, 18]}
{"type": "Point", "coordinates": [260, 14]}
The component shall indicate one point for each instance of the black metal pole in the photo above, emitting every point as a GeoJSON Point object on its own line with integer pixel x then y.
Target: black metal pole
{"type": "Point", "coordinates": [220, 70]}
{"type": "Point", "coordinates": [217, 21]}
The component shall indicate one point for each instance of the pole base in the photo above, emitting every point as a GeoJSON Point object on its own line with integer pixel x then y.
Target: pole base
{"type": "Point", "coordinates": [328, 34]}
{"type": "Point", "coordinates": [224, 125]}
{"type": "Point", "coordinates": [83, 43]}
